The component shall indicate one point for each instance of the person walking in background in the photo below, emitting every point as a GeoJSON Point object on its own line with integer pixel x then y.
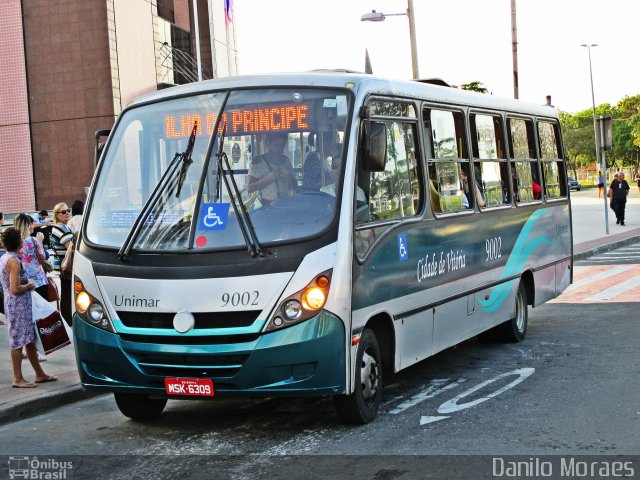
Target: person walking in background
{"type": "Point", "coordinates": [600, 185]}
{"type": "Point", "coordinates": [17, 306]}
{"type": "Point", "coordinates": [618, 192]}
{"type": "Point", "coordinates": [32, 254]}
{"type": "Point", "coordinates": [43, 225]}
{"type": "Point", "coordinates": [76, 220]}
{"type": "Point", "coordinates": [61, 236]}
{"type": "Point", "coordinates": [638, 181]}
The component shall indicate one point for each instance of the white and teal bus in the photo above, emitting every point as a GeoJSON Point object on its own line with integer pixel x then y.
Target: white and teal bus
{"type": "Point", "coordinates": [303, 234]}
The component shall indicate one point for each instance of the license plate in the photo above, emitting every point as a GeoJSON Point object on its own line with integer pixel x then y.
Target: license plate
{"type": "Point", "coordinates": [191, 387]}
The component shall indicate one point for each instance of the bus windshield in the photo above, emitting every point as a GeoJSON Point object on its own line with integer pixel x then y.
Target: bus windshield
{"type": "Point", "coordinates": [284, 148]}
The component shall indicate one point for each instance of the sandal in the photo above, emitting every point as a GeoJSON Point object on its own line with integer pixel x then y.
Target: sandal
{"type": "Point", "coordinates": [48, 378]}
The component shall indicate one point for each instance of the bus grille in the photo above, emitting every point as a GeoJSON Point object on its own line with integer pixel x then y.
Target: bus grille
{"type": "Point", "coordinates": [203, 320]}
{"type": "Point", "coordinates": [189, 365]}
{"type": "Point", "coordinates": [190, 340]}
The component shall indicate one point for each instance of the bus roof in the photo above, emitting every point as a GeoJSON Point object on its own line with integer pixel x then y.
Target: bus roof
{"type": "Point", "coordinates": [362, 83]}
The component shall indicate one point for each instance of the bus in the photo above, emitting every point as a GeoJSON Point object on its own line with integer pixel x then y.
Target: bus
{"type": "Point", "coordinates": [309, 234]}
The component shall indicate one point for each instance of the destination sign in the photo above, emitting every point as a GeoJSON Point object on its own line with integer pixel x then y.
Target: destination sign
{"type": "Point", "coordinates": [277, 118]}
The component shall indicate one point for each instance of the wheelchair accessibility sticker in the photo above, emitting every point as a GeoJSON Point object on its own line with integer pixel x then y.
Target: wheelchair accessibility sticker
{"type": "Point", "coordinates": [213, 216]}
{"type": "Point", "coordinates": [402, 246]}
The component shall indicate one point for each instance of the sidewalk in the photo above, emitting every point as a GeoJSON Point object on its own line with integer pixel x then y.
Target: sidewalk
{"type": "Point", "coordinates": [589, 238]}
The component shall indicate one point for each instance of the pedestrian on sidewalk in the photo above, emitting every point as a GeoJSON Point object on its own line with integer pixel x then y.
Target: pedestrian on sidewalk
{"type": "Point", "coordinates": [600, 185]}
{"type": "Point", "coordinates": [618, 192]}
{"type": "Point", "coordinates": [77, 210]}
{"type": "Point", "coordinates": [638, 181]}
{"type": "Point", "coordinates": [17, 305]}
{"type": "Point", "coordinates": [61, 236]}
{"type": "Point", "coordinates": [32, 253]}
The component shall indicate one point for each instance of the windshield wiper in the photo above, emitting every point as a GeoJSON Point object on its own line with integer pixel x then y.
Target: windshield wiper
{"type": "Point", "coordinates": [244, 219]}
{"type": "Point", "coordinates": [184, 160]}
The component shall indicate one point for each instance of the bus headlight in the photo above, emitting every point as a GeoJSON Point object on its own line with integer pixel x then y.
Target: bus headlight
{"type": "Point", "coordinates": [89, 308]}
{"type": "Point", "coordinates": [302, 305]}
{"type": "Point", "coordinates": [313, 298]}
{"type": "Point", "coordinates": [292, 309]}
{"type": "Point", "coordinates": [82, 302]}
{"type": "Point", "coordinates": [95, 312]}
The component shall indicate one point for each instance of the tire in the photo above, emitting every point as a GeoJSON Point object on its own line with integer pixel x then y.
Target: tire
{"type": "Point", "coordinates": [361, 407]}
{"type": "Point", "coordinates": [578, 188]}
{"type": "Point", "coordinates": [139, 407]}
{"type": "Point", "coordinates": [514, 330]}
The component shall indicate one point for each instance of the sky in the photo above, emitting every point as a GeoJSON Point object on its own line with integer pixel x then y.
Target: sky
{"type": "Point", "coordinates": [459, 41]}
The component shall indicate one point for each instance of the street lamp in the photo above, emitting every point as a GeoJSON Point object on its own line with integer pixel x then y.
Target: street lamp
{"type": "Point", "coordinates": [595, 136]}
{"type": "Point", "coordinates": [380, 17]}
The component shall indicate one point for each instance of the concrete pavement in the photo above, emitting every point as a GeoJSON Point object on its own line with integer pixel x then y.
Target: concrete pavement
{"type": "Point", "coordinates": [589, 238]}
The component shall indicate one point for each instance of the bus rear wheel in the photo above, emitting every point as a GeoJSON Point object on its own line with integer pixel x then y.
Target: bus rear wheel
{"type": "Point", "coordinates": [362, 405]}
{"type": "Point", "coordinates": [139, 407]}
{"type": "Point", "coordinates": [514, 330]}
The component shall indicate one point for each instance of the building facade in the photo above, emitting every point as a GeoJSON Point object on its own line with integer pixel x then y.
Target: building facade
{"type": "Point", "coordinates": [73, 65]}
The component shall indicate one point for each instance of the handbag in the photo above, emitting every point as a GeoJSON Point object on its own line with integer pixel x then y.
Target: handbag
{"type": "Point", "coordinates": [52, 290]}
{"type": "Point", "coordinates": [66, 267]}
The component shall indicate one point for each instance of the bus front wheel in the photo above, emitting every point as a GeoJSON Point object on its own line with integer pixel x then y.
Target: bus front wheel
{"type": "Point", "coordinates": [139, 407]}
{"type": "Point", "coordinates": [362, 405]}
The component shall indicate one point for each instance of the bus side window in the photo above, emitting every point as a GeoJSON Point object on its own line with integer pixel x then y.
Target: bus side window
{"type": "Point", "coordinates": [450, 187]}
{"type": "Point", "coordinates": [392, 194]}
{"type": "Point", "coordinates": [555, 183]}
{"type": "Point", "coordinates": [490, 161]}
{"type": "Point", "coordinates": [524, 163]}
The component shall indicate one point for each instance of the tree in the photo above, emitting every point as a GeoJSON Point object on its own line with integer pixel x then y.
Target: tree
{"type": "Point", "coordinates": [474, 87]}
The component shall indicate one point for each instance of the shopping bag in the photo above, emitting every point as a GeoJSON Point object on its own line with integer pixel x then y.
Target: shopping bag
{"type": "Point", "coordinates": [50, 328]}
{"type": "Point", "coordinates": [51, 334]}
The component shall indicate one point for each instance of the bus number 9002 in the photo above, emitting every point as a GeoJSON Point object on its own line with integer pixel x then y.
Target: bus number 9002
{"type": "Point", "coordinates": [236, 299]}
{"type": "Point", "coordinates": [493, 247]}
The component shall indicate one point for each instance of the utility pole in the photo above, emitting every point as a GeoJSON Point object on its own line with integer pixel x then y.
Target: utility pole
{"type": "Point", "coordinates": [514, 48]}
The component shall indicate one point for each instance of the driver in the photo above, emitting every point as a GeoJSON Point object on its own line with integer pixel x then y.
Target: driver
{"type": "Point", "coordinates": [271, 173]}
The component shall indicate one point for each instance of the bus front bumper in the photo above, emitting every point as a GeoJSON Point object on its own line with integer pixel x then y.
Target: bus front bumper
{"type": "Point", "coordinates": [304, 359]}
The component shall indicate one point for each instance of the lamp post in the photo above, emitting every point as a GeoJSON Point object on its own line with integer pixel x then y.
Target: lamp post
{"type": "Point", "coordinates": [599, 160]}
{"type": "Point", "coordinates": [380, 17]}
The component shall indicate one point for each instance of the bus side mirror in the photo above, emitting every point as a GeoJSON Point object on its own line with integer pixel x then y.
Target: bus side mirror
{"type": "Point", "coordinates": [99, 145]}
{"type": "Point", "coordinates": [376, 146]}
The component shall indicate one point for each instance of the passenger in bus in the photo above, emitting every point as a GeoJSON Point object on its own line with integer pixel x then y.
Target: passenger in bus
{"type": "Point", "coordinates": [468, 200]}
{"type": "Point", "coordinates": [314, 173]}
{"type": "Point", "coordinates": [271, 173]}
{"type": "Point", "coordinates": [536, 189]}
{"type": "Point", "coordinates": [434, 194]}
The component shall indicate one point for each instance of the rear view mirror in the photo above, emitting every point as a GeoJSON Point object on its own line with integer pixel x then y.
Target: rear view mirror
{"type": "Point", "coordinates": [376, 146]}
{"type": "Point", "coordinates": [99, 145]}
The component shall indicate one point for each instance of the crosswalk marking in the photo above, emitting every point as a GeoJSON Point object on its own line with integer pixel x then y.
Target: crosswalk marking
{"type": "Point", "coordinates": [616, 290]}
{"type": "Point", "coordinates": [603, 283]}
{"type": "Point", "coordinates": [599, 276]}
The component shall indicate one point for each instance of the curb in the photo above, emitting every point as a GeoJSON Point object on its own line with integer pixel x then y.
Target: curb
{"type": "Point", "coordinates": [605, 247]}
{"type": "Point", "coordinates": [22, 409]}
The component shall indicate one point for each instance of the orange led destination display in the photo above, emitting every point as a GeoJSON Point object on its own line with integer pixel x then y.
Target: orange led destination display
{"type": "Point", "coordinates": [282, 118]}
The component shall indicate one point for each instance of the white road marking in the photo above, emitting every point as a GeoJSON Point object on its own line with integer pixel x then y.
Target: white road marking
{"type": "Point", "coordinates": [453, 406]}
{"type": "Point", "coordinates": [424, 420]}
{"type": "Point", "coordinates": [431, 391]}
{"type": "Point", "coordinates": [616, 290]}
{"type": "Point", "coordinates": [600, 276]}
